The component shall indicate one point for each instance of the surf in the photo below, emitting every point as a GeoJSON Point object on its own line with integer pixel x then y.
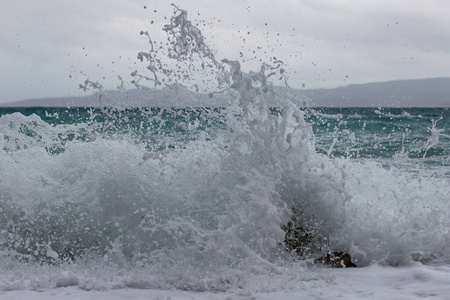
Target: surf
{"type": "Point", "coordinates": [201, 198]}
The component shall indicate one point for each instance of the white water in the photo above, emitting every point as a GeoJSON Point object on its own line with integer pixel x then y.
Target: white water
{"type": "Point", "coordinates": [207, 216]}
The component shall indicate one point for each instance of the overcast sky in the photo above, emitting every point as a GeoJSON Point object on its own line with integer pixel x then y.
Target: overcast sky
{"type": "Point", "coordinates": [48, 47]}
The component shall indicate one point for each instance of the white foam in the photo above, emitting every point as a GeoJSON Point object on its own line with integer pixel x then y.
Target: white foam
{"type": "Point", "coordinates": [208, 214]}
{"type": "Point", "coordinates": [375, 282]}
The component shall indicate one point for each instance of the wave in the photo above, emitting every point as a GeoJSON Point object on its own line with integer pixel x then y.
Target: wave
{"type": "Point", "coordinates": [246, 196]}
{"type": "Point", "coordinates": [214, 207]}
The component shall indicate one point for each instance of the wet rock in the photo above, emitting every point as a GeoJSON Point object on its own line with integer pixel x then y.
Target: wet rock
{"type": "Point", "coordinates": [306, 242]}
{"type": "Point", "coordinates": [337, 260]}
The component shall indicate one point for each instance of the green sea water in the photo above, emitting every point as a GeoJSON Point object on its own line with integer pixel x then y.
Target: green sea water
{"type": "Point", "coordinates": [375, 133]}
{"type": "Point", "coordinates": [212, 190]}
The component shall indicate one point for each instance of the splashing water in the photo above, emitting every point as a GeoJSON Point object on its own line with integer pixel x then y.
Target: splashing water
{"type": "Point", "coordinates": [201, 198]}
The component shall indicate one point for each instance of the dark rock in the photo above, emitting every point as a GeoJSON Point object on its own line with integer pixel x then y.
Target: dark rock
{"type": "Point", "coordinates": [337, 260]}
{"type": "Point", "coordinates": [306, 242]}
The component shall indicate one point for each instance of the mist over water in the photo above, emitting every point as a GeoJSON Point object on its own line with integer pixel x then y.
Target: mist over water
{"type": "Point", "coordinates": [198, 198]}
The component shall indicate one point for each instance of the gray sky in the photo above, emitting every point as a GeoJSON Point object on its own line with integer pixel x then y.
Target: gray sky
{"type": "Point", "coordinates": [48, 47]}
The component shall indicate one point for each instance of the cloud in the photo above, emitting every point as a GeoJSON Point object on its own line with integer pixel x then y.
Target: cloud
{"type": "Point", "coordinates": [48, 47]}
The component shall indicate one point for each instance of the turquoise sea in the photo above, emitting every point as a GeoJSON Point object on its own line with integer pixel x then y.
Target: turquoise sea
{"type": "Point", "coordinates": [168, 188]}
{"type": "Point", "coordinates": [374, 133]}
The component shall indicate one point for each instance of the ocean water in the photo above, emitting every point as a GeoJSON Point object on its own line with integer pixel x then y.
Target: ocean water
{"type": "Point", "coordinates": [160, 190]}
{"type": "Point", "coordinates": [249, 195]}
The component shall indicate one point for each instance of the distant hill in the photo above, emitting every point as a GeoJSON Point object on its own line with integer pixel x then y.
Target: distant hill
{"type": "Point", "coordinates": [128, 98]}
{"type": "Point", "coordinates": [433, 92]}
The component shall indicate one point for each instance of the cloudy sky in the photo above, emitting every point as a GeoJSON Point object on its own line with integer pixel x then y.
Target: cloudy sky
{"type": "Point", "coordinates": [48, 47]}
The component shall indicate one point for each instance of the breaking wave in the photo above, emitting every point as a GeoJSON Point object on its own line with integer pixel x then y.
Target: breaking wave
{"type": "Point", "coordinates": [199, 198]}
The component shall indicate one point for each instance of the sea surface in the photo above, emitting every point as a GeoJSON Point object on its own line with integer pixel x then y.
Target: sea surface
{"type": "Point", "coordinates": [388, 135]}
{"type": "Point", "coordinates": [148, 192]}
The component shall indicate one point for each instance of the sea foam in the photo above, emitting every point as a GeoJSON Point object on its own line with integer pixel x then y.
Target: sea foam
{"type": "Point", "coordinates": [114, 207]}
